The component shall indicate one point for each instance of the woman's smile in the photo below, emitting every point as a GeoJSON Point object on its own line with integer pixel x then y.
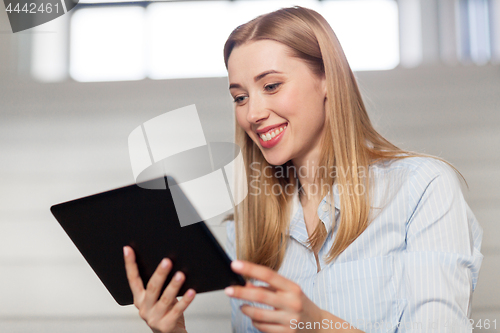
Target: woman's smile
{"type": "Point", "coordinates": [270, 138]}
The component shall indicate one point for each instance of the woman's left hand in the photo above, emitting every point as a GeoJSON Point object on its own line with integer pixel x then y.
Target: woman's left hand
{"type": "Point", "coordinates": [291, 305]}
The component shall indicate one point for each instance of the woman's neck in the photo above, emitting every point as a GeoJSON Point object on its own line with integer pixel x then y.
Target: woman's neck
{"type": "Point", "coordinates": [306, 168]}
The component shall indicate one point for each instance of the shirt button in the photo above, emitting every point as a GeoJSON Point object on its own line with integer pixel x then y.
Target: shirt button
{"type": "Point", "coordinates": [325, 207]}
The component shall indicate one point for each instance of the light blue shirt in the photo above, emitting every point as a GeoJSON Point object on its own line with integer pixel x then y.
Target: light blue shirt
{"type": "Point", "coordinates": [415, 267]}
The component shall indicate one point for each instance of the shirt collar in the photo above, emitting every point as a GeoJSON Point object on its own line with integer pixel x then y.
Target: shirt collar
{"type": "Point", "coordinates": [326, 199]}
{"type": "Point", "coordinates": [298, 228]}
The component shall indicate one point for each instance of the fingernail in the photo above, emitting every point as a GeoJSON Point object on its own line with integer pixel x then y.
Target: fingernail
{"type": "Point", "coordinates": [236, 264]}
{"type": "Point", "coordinates": [190, 293]}
{"type": "Point", "coordinates": [125, 251]}
{"type": "Point", "coordinates": [229, 291]}
{"type": "Point", "coordinates": [164, 263]}
{"type": "Point", "coordinates": [178, 276]}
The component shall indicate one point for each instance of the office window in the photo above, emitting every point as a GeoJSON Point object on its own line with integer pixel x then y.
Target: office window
{"type": "Point", "coordinates": [367, 31]}
{"type": "Point", "coordinates": [108, 44]}
{"type": "Point", "coordinates": [185, 39]}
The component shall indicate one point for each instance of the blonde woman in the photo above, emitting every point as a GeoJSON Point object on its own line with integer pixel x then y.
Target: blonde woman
{"type": "Point", "coordinates": [341, 230]}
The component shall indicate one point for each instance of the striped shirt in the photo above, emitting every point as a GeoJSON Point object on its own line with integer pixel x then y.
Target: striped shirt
{"type": "Point", "coordinates": [413, 269]}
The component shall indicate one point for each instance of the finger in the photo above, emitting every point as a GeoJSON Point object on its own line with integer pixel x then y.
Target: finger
{"type": "Point", "coordinates": [256, 294]}
{"type": "Point", "coordinates": [265, 315]}
{"type": "Point", "coordinates": [251, 285]}
{"type": "Point", "coordinates": [270, 328]}
{"type": "Point", "coordinates": [264, 274]}
{"type": "Point", "coordinates": [169, 294]}
{"type": "Point", "coordinates": [181, 306]}
{"type": "Point", "coordinates": [133, 277]}
{"type": "Point", "coordinates": [156, 282]}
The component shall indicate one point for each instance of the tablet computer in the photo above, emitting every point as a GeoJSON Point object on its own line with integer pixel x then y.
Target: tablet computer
{"type": "Point", "coordinates": [101, 224]}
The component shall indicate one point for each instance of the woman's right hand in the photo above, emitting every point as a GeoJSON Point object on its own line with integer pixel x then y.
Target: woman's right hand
{"type": "Point", "coordinates": [163, 315]}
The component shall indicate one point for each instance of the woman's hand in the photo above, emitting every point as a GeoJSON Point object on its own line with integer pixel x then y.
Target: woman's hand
{"type": "Point", "coordinates": [291, 305]}
{"type": "Point", "coordinates": [167, 313]}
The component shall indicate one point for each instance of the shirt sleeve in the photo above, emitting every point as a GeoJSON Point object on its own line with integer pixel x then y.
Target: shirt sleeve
{"type": "Point", "coordinates": [230, 240]}
{"type": "Point", "coordinates": [442, 257]}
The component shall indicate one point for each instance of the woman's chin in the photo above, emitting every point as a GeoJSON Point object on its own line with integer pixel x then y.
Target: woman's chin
{"type": "Point", "coordinates": [275, 160]}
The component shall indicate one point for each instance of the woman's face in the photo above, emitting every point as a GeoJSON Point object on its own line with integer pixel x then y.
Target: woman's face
{"type": "Point", "coordinates": [277, 97]}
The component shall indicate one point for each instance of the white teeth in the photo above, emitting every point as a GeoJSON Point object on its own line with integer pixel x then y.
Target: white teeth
{"type": "Point", "coordinates": [270, 135]}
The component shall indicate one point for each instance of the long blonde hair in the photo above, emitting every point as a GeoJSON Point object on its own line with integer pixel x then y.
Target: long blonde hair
{"type": "Point", "coordinates": [349, 143]}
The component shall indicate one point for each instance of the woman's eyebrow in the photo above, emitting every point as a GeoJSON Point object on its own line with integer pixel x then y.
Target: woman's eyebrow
{"type": "Point", "coordinates": [256, 78]}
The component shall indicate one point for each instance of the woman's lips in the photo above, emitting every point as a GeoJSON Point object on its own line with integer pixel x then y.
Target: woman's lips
{"type": "Point", "coordinates": [273, 141]}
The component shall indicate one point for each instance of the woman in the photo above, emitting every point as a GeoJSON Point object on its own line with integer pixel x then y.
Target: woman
{"type": "Point", "coordinates": [341, 230]}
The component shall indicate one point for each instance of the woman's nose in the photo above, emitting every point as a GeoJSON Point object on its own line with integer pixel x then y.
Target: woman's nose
{"type": "Point", "coordinates": [256, 112]}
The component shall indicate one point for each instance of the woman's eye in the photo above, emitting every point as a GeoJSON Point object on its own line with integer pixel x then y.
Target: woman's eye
{"type": "Point", "coordinates": [269, 87]}
{"type": "Point", "coordinates": [272, 86]}
{"type": "Point", "coordinates": [238, 99]}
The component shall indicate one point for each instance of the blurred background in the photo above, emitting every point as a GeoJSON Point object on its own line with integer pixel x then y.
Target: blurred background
{"type": "Point", "coordinates": [72, 89]}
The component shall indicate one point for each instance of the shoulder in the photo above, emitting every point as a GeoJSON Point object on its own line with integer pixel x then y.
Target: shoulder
{"type": "Point", "coordinates": [433, 191]}
{"type": "Point", "coordinates": [427, 171]}
{"type": "Point", "coordinates": [416, 169]}
{"type": "Point", "coordinates": [415, 178]}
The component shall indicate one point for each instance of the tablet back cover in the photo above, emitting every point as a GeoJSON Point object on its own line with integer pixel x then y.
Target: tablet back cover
{"type": "Point", "coordinates": [101, 224]}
